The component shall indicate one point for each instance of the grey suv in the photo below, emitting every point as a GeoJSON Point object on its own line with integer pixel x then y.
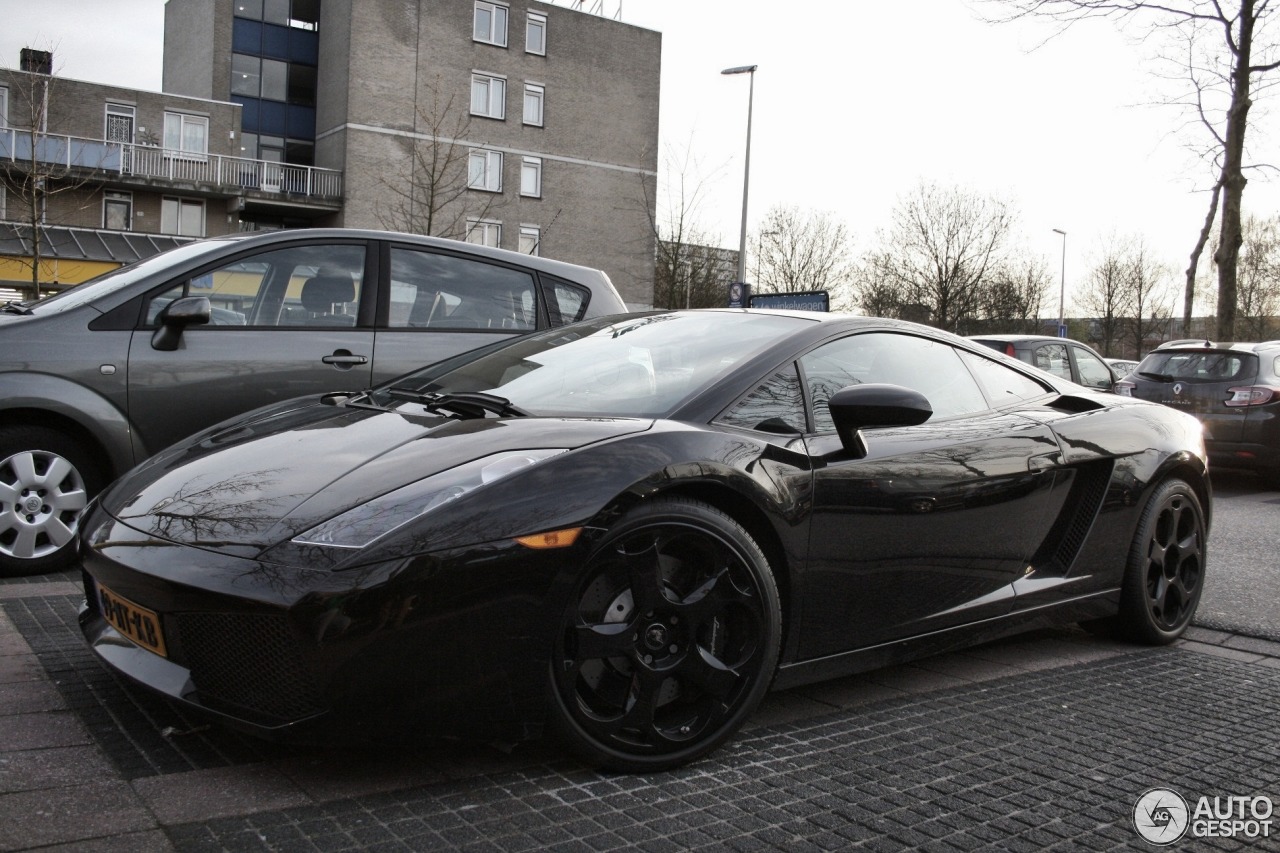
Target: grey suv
{"type": "Point", "coordinates": [1234, 389]}
{"type": "Point", "coordinates": [98, 377]}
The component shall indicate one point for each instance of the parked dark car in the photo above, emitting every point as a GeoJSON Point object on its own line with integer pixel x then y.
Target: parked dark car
{"type": "Point", "coordinates": [98, 377]}
{"type": "Point", "coordinates": [1234, 389]}
{"type": "Point", "coordinates": [628, 529]}
{"type": "Point", "coordinates": [1071, 360]}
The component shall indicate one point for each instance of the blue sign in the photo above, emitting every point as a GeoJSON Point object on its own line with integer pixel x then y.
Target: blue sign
{"type": "Point", "coordinates": [816, 300]}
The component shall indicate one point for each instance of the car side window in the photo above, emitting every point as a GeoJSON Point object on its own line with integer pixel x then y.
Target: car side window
{"type": "Point", "coordinates": [297, 286]}
{"type": "Point", "coordinates": [1003, 384]}
{"type": "Point", "coordinates": [430, 290]}
{"type": "Point", "coordinates": [930, 367]}
{"type": "Point", "coordinates": [1094, 372]}
{"type": "Point", "coordinates": [1052, 358]}
{"type": "Point", "coordinates": [778, 399]}
{"type": "Point", "coordinates": [566, 303]}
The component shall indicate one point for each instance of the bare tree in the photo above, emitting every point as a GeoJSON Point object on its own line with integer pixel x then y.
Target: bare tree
{"type": "Point", "coordinates": [944, 246]}
{"type": "Point", "coordinates": [689, 270]}
{"type": "Point", "coordinates": [433, 192]}
{"type": "Point", "coordinates": [1225, 49]}
{"type": "Point", "coordinates": [1259, 279]}
{"type": "Point", "coordinates": [1104, 297]}
{"type": "Point", "coordinates": [801, 251]}
{"type": "Point", "coordinates": [41, 167]}
{"type": "Point", "coordinates": [1011, 299]}
{"type": "Point", "coordinates": [1149, 298]}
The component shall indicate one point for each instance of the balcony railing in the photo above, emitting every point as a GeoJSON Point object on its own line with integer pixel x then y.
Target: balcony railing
{"type": "Point", "coordinates": [233, 174]}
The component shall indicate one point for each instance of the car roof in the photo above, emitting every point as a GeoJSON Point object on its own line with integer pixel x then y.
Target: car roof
{"type": "Point", "coordinates": [1203, 344]}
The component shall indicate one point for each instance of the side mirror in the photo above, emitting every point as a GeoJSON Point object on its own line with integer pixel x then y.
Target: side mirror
{"type": "Point", "coordinates": [176, 316]}
{"type": "Point", "coordinates": [858, 407]}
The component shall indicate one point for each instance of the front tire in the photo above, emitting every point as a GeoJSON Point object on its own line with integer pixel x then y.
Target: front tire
{"type": "Point", "coordinates": [46, 480]}
{"type": "Point", "coordinates": [1165, 573]}
{"type": "Point", "coordinates": [669, 641]}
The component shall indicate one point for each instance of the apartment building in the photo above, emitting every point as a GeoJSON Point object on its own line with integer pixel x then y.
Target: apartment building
{"type": "Point", "coordinates": [525, 125]}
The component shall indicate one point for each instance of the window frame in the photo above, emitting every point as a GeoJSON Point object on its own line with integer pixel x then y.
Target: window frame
{"type": "Point", "coordinates": [490, 82]}
{"type": "Point", "coordinates": [535, 20]}
{"type": "Point", "coordinates": [527, 232]}
{"type": "Point", "coordinates": [531, 166]}
{"type": "Point", "coordinates": [538, 93]}
{"type": "Point", "coordinates": [485, 227]}
{"type": "Point", "coordinates": [490, 172]}
{"type": "Point", "coordinates": [183, 121]}
{"type": "Point", "coordinates": [491, 36]}
{"type": "Point", "coordinates": [182, 203]}
{"type": "Point", "coordinates": [121, 197]}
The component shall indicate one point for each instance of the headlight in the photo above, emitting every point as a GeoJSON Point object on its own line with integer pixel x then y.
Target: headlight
{"type": "Point", "coordinates": [359, 526]}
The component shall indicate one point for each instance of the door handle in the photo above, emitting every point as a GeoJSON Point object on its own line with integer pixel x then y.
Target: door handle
{"type": "Point", "coordinates": [344, 358]}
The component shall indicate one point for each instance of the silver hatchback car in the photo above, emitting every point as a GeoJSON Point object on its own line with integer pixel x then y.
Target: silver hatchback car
{"type": "Point", "coordinates": [100, 376]}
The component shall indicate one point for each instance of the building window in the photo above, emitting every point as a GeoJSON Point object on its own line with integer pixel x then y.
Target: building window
{"type": "Point", "coordinates": [535, 34]}
{"type": "Point", "coordinates": [488, 96]}
{"type": "Point", "coordinates": [531, 177]}
{"type": "Point", "coordinates": [484, 232]}
{"type": "Point", "coordinates": [186, 134]}
{"type": "Point", "coordinates": [4, 106]}
{"type": "Point", "coordinates": [182, 216]}
{"type": "Point", "coordinates": [485, 171]}
{"type": "Point", "coordinates": [533, 97]}
{"type": "Point", "coordinates": [259, 78]}
{"type": "Point", "coordinates": [490, 23]}
{"type": "Point", "coordinates": [117, 211]}
{"type": "Point", "coordinates": [530, 237]}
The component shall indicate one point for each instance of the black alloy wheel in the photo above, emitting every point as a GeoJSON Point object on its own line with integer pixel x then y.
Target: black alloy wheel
{"type": "Point", "coordinates": [669, 642]}
{"type": "Point", "coordinates": [1165, 574]}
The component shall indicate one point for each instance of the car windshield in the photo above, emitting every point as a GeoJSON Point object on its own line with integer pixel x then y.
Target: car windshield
{"type": "Point", "coordinates": [115, 279]}
{"type": "Point", "coordinates": [1200, 365]}
{"type": "Point", "coordinates": [623, 366]}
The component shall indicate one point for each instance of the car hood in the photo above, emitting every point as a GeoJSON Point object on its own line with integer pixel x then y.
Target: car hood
{"type": "Point", "coordinates": [261, 480]}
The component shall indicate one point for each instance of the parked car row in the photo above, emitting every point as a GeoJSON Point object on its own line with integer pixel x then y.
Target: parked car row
{"type": "Point", "coordinates": [98, 377]}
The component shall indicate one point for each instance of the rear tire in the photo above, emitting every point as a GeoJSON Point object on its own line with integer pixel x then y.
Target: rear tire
{"type": "Point", "coordinates": [669, 640]}
{"type": "Point", "coordinates": [46, 481]}
{"type": "Point", "coordinates": [1165, 573]}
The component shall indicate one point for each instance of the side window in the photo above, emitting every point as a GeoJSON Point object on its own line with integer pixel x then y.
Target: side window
{"type": "Point", "coordinates": [1094, 373]}
{"type": "Point", "coordinates": [296, 286]}
{"type": "Point", "coordinates": [566, 303]}
{"type": "Point", "coordinates": [436, 291]}
{"type": "Point", "coordinates": [778, 399]}
{"type": "Point", "coordinates": [1002, 384]}
{"type": "Point", "coordinates": [1052, 358]}
{"type": "Point", "coordinates": [932, 368]}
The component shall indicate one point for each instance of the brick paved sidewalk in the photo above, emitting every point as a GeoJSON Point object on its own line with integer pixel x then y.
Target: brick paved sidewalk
{"type": "Point", "coordinates": [1041, 742]}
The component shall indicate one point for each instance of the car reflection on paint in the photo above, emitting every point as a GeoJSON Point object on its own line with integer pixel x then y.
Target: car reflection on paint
{"type": "Point", "coordinates": [626, 531]}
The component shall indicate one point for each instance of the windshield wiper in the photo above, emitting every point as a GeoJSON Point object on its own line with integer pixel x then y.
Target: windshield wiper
{"type": "Point", "coordinates": [467, 404]}
{"type": "Point", "coordinates": [1159, 377]}
{"type": "Point", "coordinates": [12, 307]}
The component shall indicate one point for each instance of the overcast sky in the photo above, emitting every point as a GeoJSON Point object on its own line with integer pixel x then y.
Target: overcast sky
{"type": "Point", "coordinates": [855, 102]}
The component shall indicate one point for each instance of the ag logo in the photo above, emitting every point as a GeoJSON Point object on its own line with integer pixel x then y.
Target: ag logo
{"type": "Point", "coordinates": [1160, 816]}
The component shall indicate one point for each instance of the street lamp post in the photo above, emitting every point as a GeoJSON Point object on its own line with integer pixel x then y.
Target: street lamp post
{"type": "Point", "coordinates": [1062, 290]}
{"type": "Point", "coordinates": [746, 167]}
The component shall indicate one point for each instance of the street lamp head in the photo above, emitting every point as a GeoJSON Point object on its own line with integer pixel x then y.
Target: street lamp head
{"type": "Point", "coordinates": [741, 69]}
{"type": "Point", "coordinates": [1059, 231]}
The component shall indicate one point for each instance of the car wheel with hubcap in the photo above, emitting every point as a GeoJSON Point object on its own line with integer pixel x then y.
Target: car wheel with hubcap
{"type": "Point", "coordinates": [46, 479]}
{"type": "Point", "coordinates": [669, 641]}
{"type": "Point", "coordinates": [1165, 573]}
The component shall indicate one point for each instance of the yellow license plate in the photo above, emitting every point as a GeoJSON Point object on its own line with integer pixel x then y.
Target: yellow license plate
{"type": "Point", "coordinates": [137, 623]}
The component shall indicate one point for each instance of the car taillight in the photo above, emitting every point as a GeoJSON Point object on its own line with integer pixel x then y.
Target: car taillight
{"type": "Point", "coordinates": [1252, 395]}
{"type": "Point", "coordinates": [1010, 351]}
{"type": "Point", "coordinates": [1123, 388]}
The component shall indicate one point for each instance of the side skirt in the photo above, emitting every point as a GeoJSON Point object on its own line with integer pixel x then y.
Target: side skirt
{"type": "Point", "coordinates": [1093, 606]}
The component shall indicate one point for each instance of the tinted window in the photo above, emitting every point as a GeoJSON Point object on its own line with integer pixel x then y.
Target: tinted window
{"type": "Point", "coordinates": [296, 286]}
{"type": "Point", "coordinates": [1221, 366]}
{"type": "Point", "coordinates": [1002, 384]}
{"type": "Point", "coordinates": [567, 302]}
{"type": "Point", "coordinates": [779, 398]}
{"type": "Point", "coordinates": [1093, 372]}
{"type": "Point", "coordinates": [932, 368]}
{"type": "Point", "coordinates": [435, 291]}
